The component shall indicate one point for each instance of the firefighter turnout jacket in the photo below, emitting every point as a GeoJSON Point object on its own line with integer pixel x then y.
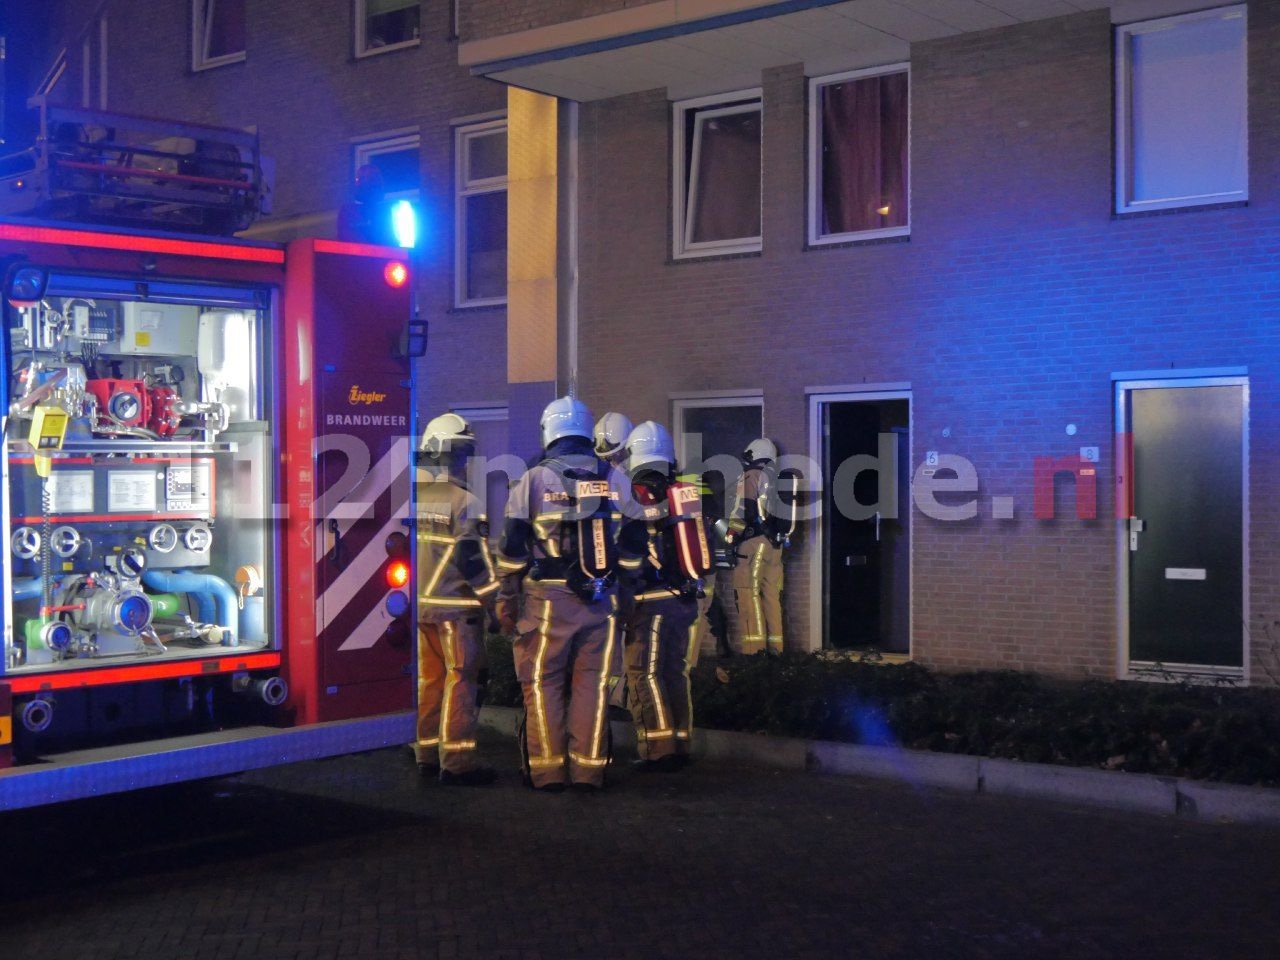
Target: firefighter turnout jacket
{"type": "Point", "coordinates": [567, 536]}
{"type": "Point", "coordinates": [662, 634]}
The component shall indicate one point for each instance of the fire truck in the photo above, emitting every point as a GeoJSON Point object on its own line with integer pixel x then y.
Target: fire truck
{"type": "Point", "coordinates": [205, 486]}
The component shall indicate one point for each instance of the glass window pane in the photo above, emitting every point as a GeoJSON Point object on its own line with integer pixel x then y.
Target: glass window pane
{"type": "Point", "coordinates": [717, 431]}
{"type": "Point", "coordinates": [725, 186]}
{"type": "Point", "coordinates": [224, 28]}
{"type": "Point", "coordinates": [864, 154]}
{"type": "Point", "coordinates": [486, 248]}
{"type": "Point", "coordinates": [390, 21]}
{"type": "Point", "coordinates": [1187, 118]}
{"type": "Point", "coordinates": [491, 443]}
{"type": "Point", "coordinates": [487, 155]}
{"type": "Point", "coordinates": [400, 169]}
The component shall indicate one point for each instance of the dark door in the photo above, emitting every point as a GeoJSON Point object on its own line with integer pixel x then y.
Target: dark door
{"type": "Point", "coordinates": [867, 555]}
{"type": "Point", "coordinates": [1185, 541]}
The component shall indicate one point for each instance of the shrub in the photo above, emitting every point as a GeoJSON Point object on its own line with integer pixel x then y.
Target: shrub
{"type": "Point", "coordinates": [1213, 733]}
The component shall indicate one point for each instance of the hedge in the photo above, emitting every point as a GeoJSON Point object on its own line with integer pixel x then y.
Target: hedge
{"type": "Point", "coordinates": [1176, 729]}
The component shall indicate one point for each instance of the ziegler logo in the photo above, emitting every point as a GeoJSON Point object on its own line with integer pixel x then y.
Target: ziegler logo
{"type": "Point", "coordinates": [358, 396]}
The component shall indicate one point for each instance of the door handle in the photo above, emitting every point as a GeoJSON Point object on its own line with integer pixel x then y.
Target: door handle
{"type": "Point", "coordinates": [1136, 527]}
{"type": "Point", "coordinates": [335, 555]}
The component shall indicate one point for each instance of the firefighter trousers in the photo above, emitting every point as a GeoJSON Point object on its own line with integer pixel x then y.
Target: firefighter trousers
{"type": "Point", "coordinates": [450, 655]}
{"type": "Point", "coordinates": [757, 587]}
{"type": "Point", "coordinates": [662, 639]}
{"type": "Point", "coordinates": [563, 652]}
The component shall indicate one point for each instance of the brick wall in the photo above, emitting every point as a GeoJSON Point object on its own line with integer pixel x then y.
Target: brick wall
{"type": "Point", "coordinates": [1015, 299]}
{"type": "Point", "coordinates": [308, 96]}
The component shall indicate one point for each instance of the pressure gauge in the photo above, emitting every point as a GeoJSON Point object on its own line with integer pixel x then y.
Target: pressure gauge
{"type": "Point", "coordinates": [125, 406]}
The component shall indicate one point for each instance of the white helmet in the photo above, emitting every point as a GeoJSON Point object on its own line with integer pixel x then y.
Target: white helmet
{"type": "Point", "coordinates": [611, 434]}
{"type": "Point", "coordinates": [445, 431]}
{"type": "Point", "coordinates": [648, 446]}
{"type": "Point", "coordinates": [565, 417]}
{"type": "Point", "coordinates": [762, 449]}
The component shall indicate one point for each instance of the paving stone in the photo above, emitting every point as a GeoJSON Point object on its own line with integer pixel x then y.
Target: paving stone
{"type": "Point", "coordinates": [357, 857]}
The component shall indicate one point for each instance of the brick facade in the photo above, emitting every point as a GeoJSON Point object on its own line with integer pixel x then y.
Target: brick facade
{"type": "Point", "coordinates": [1015, 299]}
{"type": "Point", "coordinates": [308, 96]}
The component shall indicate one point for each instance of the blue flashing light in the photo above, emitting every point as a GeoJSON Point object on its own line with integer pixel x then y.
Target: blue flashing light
{"type": "Point", "coordinates": [397, 603]}
{"type": "Point", "coordinates": [404, 224]}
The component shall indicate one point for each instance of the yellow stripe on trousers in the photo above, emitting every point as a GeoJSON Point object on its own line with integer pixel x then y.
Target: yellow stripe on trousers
{"type": "Point", "coordinates": [652, 676]}
{"type": "Point", "coordinates": [756, 563]}
{"type": "Point", "coordinates": [450, 677]}
{"type": "Point", "coordinates": [602, 694]}
{"type": "Point", "coordinates": [539, 704]}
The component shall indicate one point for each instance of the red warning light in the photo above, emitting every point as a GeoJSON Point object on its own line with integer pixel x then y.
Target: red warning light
{"type": "Point", "coordinates": [397, 573]}
{"type": "Point", "coordinates": [396, 274]}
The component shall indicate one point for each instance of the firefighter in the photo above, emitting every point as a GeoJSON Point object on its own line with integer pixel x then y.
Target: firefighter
{"type": "Point", "coordinates": [662, 633]}
{"type": "Point", "coordinates": [366, 217]}
{"type": "Point", "coordinates": [456, 580]}
{"type": "Point", "coordinates": [711, 627]}
{"type": "Point", "coordinates": [611, 435]}
{"type": "Point", "coordinates": [560, 557]}
{"type": "Point", "coordinates": [758, 539]}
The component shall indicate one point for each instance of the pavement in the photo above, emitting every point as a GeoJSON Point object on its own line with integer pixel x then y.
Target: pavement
{"type": "Point", "coordinates": [358, 857]}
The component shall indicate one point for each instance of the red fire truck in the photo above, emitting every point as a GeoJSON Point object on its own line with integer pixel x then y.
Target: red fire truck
{"type": "Point", "coordinates": [206, 477]}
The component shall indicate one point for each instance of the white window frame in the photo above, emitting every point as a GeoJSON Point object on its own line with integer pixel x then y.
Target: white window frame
{"type": "Point", "coordinates": [201, 13]}
{"type": "Point", "coordinates": [816, 84]}
{"type": "Point", "coordinates": [463, 134]}
{"type": "Point", "coordinates": [682, 189]}
{"type": "Point", "coordinates": [1124, 144]}
{"type": "Point", "coordinates": [362, 48]}
{"type": "Point", "coordinates": [489, 412]}
{"type": "Point", "coordinates": [390, 141]}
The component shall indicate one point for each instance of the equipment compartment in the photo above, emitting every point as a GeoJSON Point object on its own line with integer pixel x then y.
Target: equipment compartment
{"type": "Point", "coordinates": [136, 475]}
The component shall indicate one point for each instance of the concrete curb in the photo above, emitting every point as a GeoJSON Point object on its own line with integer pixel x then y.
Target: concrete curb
{"type": "Point", "coordinates": [1169, 796]}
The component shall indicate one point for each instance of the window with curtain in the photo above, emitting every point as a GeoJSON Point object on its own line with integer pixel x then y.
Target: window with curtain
{"type": "Point", "coordinates": [481, 214]}
{"type": "Point", "coordinates": [717, 175]}
{"type": "Point", "coordinates": [1181, 111]}
{"type": "Point", "coordinates": [859, 126]}
{"type": "Point", "coordinates": [383, 25]}
{"type": "Point", "coordinates": [217, 33]}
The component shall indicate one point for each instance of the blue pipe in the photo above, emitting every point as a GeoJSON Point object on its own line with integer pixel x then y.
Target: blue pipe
{"type": "Point", "coordinates": [29, 588]}
{"type": "Point", "coordinates": [208, 591]}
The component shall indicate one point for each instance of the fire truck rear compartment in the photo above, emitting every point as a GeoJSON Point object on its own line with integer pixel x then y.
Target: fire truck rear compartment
{"type": "Point", "coordinates": [147, 537]}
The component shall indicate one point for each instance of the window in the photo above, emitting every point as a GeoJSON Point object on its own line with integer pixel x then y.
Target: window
{"type": "Point", "coordinates": [217, 33]}
{"type": "Point", "coordinates": [396, 157]}
{"type": "Point", "coordinates": [481, 214]}
{"type": "Point", "coordinates": [716, 172]}
{"type": "Point", "coordinates": [711, 433]}
{"type": "Point", "coordinates": [383, 25]}
{"type": "Point", "coordinates": [858, 155]}
{"type": "Point", "coordinates": [501, 467]}
{"type": "Point", "coordinates": [1181, 111]}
